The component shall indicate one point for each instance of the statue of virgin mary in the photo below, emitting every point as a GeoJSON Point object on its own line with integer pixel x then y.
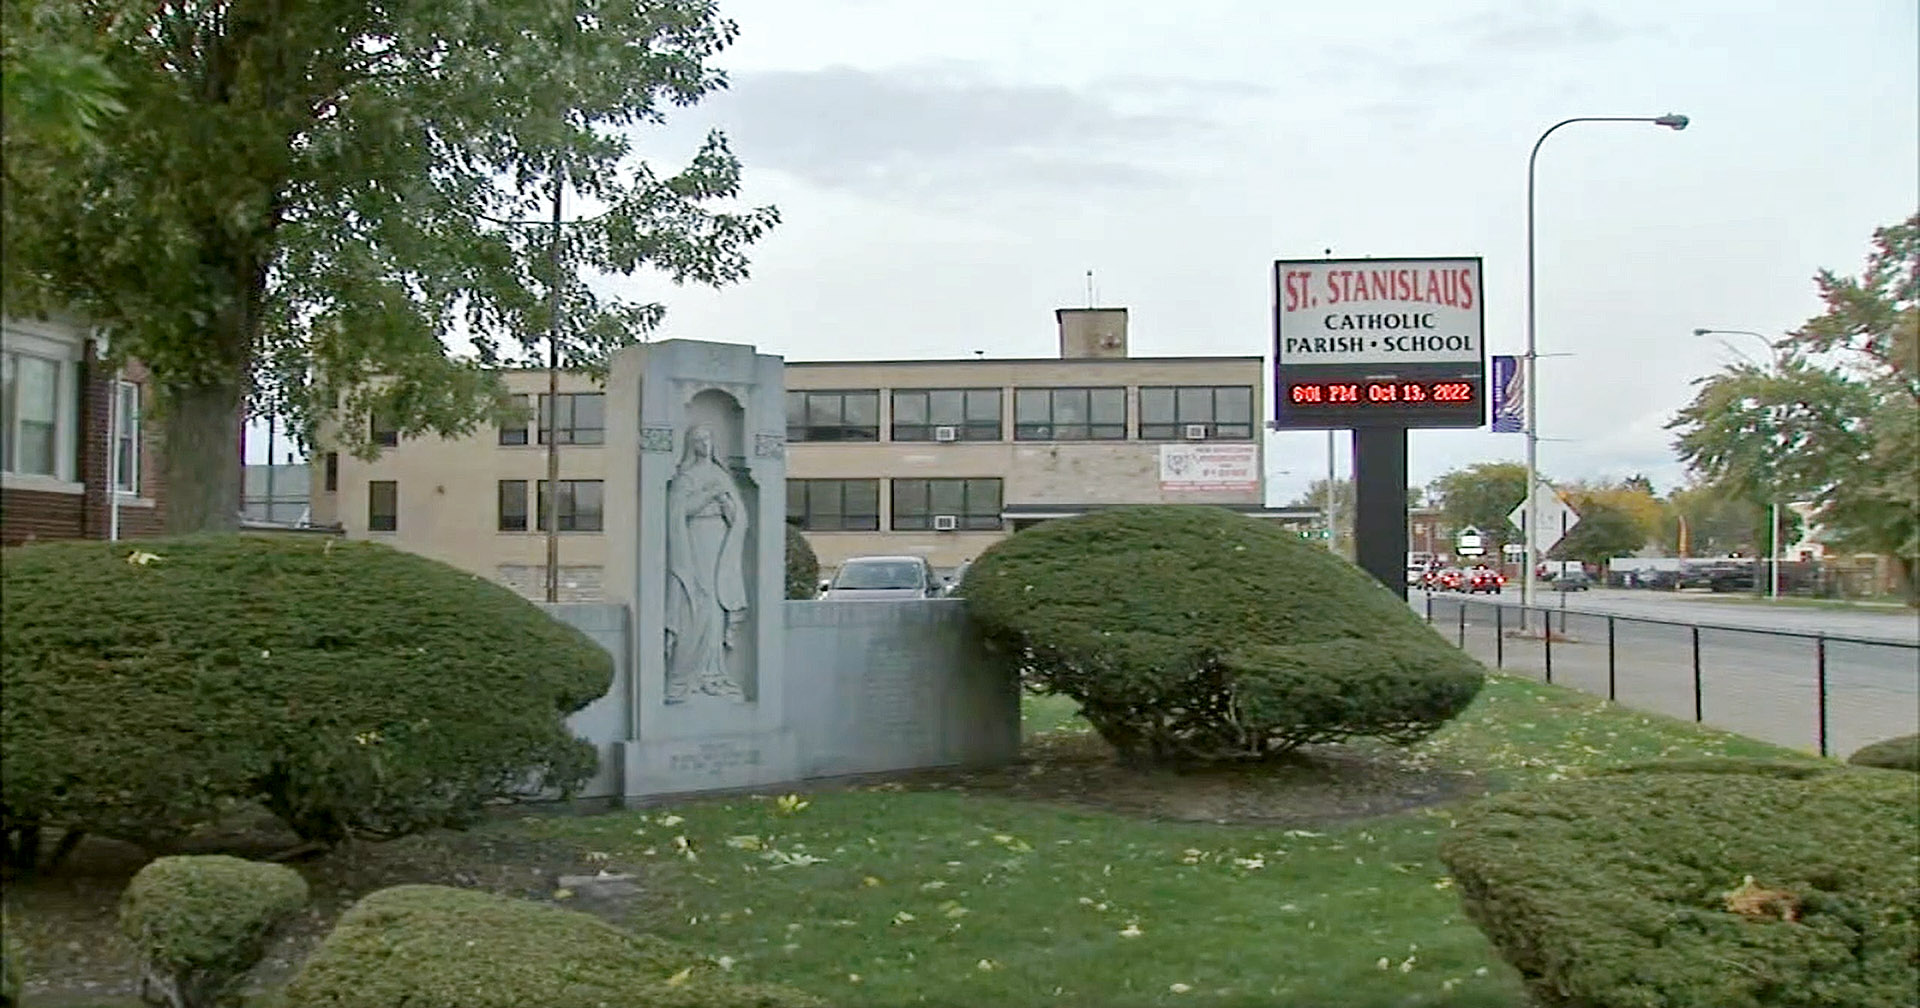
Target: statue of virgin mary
{"type": "Point", "coordinates": [707, 526]}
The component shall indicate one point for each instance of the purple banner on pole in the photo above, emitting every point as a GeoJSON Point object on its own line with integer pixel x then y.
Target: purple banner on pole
{"type": "Point", "coordinates": [1509, 395]}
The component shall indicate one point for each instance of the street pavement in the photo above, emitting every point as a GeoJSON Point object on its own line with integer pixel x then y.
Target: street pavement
{"type": "Point", "coordinates": [1707, 608]}
{"type": "Point", "coordinates": [1752, 681]}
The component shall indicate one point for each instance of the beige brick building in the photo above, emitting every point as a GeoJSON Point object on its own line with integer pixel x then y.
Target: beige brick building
{"type": "Point", "coordinates": [939, 458]}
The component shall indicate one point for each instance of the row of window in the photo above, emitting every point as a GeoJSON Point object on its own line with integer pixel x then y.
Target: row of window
{"type": "Point", "coordinates": [819, 505]}
{"type": "Point", "coordinates": [32, 417]}
{"type": "Point", "coordinates": [1166, 413]}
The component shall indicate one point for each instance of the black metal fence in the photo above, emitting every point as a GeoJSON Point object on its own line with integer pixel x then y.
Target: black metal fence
{"type": "Point", "coordinates": [1825, 692]}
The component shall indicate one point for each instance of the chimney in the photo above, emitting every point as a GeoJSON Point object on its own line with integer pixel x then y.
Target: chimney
{"type": "Point", "coordinates": [1092, 332]}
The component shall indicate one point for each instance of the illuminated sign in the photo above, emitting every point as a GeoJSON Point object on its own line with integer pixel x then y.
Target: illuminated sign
{"type": "Point", "coordinates": [1378, 343]}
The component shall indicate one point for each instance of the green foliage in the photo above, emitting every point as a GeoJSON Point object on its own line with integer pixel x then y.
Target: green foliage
{"type": "Point", "coordinates": [9, 968]}
{"type": "Point", "coordinates": [1716, 524]}
{"type": "Point", "coordinates": [1727, 888]}
{"type": "Point", "coordinates": [1192, 633]}
{"type": "Point", "coordinates": [352, 688]}
{"type": "Point", "coordinates": [803, 567]}
{"type": "Point", "coordinates": [199, 923]}
{"type": "Point", "coordinates": [423, 946]}
{"type": "Point", "coordinates": [1901, 753]}
{"type": "Point", "coordinates": [1482, 495]}
{"type": "Point", "coordinates": [1844, 431]}
{"type": "Point", "coordinates": [301, 197]}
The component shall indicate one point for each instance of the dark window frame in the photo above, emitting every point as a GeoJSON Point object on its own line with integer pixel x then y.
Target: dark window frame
{"type": "Point", "coordinates": [569, 514]}
{"type": "Point", "coordinates": [1088, 429]}
{"type": "Point", "coordinates": [966, 428]}
{"type": "Point", "coordinates": [803, 510]}
{"type": "Point", "coordinates": [1174, 429]}
{"type": "Point", "coordinates": [804, 430]}
{"type": "Point", "coordinates": [389, 521]}
{"type": "Point", "coordinates": [330, 477]}
{"type": "Point", "coordinates": [512, 489]}
{"type": "Point", "coordinates": [517, 436]}
{"type": "Point", "coordinates": [569, 430]}
{"type": "Point", "coordinates": [382, 429]}
{"type": "Point", "coordinates": [918, 511]}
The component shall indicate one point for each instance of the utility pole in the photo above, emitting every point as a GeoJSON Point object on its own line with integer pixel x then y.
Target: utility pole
{"type": "Point", "coordinates": [550, 507]}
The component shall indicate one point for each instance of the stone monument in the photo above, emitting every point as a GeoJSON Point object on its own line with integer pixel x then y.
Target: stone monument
{"type": "Point", "coordinates": [695, 513]}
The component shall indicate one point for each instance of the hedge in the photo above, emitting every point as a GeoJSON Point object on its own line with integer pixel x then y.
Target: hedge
{"type": "Point", "coordinates": [1901, 753]}
{"type": "Point", "coordinates": [1193, 633]}
{"type": "Point", "coordinates": [352, 688]}
{"type": "Point", "coordinates": [425, 946]}
{"type": "Point", "coordinates": [199, 924]}
{"type": "Point", "coordinates": [803, 567]}
{"type": "Point", "coordinates": [1686, 889]}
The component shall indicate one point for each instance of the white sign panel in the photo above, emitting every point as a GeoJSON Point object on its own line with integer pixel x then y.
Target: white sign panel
{"type": "Point", "coordinates": [1553, 517]}
{"type": "Point", "coordinates": [1210, 467]}
{"type": "Point", "coordinates": [1468, 543]}
{"type": "Point", "coordinates": [1386, 311]}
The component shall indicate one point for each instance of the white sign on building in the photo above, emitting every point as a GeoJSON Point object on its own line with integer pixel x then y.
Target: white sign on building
{"type": "Point", "coordinates": [1197, 467]}
{"type": "Point", "coordinates": [1387, 311]}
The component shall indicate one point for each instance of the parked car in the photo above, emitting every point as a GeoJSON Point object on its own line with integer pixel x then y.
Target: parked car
{"type": "Point", "coordinates": [957, 578]}
{"type": "Point", "coordinates": [1485, 579]}
{"type": "Point", "coordinates": [884, 577]}
{"type": "Point", "coordinates": [1571, 581]}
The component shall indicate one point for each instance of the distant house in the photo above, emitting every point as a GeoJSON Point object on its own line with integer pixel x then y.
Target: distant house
{"type": "Point", "coordinates": [69, 427]}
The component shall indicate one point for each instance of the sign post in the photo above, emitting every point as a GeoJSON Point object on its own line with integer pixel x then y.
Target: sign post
{"type": "Point", "coordinates": [1379, 346]}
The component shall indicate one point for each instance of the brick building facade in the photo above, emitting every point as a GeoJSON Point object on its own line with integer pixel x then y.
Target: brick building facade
{"type": "Point", "coordinates": [60, 430]}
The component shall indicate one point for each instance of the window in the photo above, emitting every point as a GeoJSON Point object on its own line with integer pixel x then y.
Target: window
{"type": "Point", "coordinates": [383, 506]}
{"type": "Point", "coordinates": [835, 505]}
{"type": "Point", "coordinates": [974, 414]}
{"type": "Point", "coordinates": [1070, 414]}
{"type": "Point", "coordinates": [833, 416]}
{"type": "Point", "coordinates": [332, 478]}
{"type": "Point", "coordinates": [582, 419]}
{"type": "Point", "coordinates": [580, 508]}
{"type": "Point", "coordinates": [1226, 411]}
{"type": "Point", "coordinates": [384, 428]}
{"type": "Point", "coordinates": [513, 505]}
{"type": "Point", "coordinates": [30, 415]}
{"type": "Point", "coordinates": [973, 503]}
{"type": "Point", "coordinates": [511, 434]}
{"type": "Point", "coordinates": [126, 437]}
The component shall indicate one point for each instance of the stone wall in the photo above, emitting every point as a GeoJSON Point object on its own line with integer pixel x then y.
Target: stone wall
{"type": "Point", "coordinates": [871, 687]}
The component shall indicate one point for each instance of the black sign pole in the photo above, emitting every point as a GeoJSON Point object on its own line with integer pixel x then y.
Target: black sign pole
{"type": "Point", "coordinates": [1380, 504]}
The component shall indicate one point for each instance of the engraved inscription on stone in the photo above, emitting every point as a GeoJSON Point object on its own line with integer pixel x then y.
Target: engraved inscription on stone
{"type": "Point", "coordinates": [890, 690]}
{"type": "Point", "coordinates": [769, 445]}
{"type": "Point", "coordinates": [656, 439]}
{"type": "Point", "coordinates": [712, 758]}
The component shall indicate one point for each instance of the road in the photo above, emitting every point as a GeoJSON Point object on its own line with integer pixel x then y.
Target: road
{"type": "Point", "coordinates": [1751, 681]}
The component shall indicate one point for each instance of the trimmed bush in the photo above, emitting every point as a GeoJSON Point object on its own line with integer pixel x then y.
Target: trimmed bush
{"type": "Point", "coordinates": [352, 688]}
{"type": "Point", "coordinates": [9, 969]}
{"type": "Point", "coordinates": [1901, 753]}
{"type": "Point", "coordinates": [200, 923]}
{"type": "Point", "coordinates": [424, 946]}
{"type": "Point", "coordinates": [1689, 890]}
{"type": "Point", "coordinates": [1193, 633]}
{"type": "Point", "coordinates": [803, 567]}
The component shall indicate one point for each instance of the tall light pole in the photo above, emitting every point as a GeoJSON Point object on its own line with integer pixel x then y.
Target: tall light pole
{"type": "Point", "coordinates": [1773, 503]}
{"type": "Point", "coordinates": [1671, 120]}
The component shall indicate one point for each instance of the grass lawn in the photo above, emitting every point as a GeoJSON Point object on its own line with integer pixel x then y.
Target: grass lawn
{"type": "Point", "coordinates": [916, 892]}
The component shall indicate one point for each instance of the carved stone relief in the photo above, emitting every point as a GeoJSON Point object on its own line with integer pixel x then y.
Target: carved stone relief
{"type": "Point", "coordinates": [708, 524]}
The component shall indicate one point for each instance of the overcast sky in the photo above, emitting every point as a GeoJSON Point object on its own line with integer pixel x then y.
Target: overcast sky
{"type": "Point", "coordinates": [948, 172]}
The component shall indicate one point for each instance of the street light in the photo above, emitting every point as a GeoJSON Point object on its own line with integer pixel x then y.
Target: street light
{"type": "Point", "coordinates": [1671, 120]}
{"type": "Point", "coordinates": [1773, 505]}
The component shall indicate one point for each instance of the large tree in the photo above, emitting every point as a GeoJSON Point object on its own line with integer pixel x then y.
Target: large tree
{"type": "Point", "coordinates": [1836, 417]}
{"type": "Point", "coordinates": [303, 197]}
{"type": "Point", "coordinates": [1482, 495]}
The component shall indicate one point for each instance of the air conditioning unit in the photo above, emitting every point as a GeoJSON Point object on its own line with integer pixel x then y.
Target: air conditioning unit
{"type": "Point", "coordinates": [946, 433]}
{"type": "Point", "coordinates": [946, 523]}
{"type": "Point", "coordinates": [1196, 432]}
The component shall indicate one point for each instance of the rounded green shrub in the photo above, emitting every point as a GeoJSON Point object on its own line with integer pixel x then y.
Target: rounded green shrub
{"type": "Point", "coordinates": [1690, 890]}
{"type": "Point", "coordinates": [199, 924]}
{"type": "Point", "coordinates": [351, 688]}
{"type": "Point", "coordinates": [1901, 753]}
{"type": "Point", "coordinates": [423, 946]}
{"type": "Point", "coordinates": [803, 566]}
{"type": "Point", "coordinates": [1193, 633]}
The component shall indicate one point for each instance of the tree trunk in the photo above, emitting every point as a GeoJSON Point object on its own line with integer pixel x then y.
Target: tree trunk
{"type": "Point", "coordinates": [202, 424]}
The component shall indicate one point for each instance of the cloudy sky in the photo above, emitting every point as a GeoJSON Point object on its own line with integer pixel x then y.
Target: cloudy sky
{"type": "Point", "coordinates": [948, 172]}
